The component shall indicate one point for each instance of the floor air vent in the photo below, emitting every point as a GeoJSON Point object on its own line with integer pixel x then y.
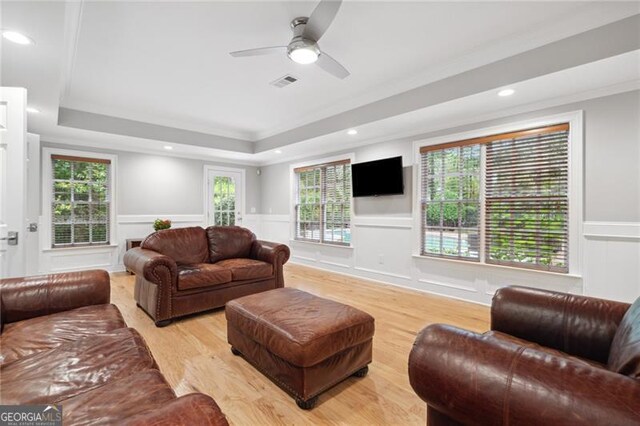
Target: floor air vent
{"type": "Point", "coordinates": [284, 81]}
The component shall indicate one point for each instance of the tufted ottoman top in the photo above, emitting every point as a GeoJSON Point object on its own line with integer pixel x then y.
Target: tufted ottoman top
{"type": "Point", "coordinates": [299, 327]}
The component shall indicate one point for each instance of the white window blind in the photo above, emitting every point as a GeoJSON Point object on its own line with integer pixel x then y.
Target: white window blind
{"type": "Point", "coordinates": [323, 203]}
{"type": "Point", "coordinates": [520, 189]}
{"type": "Point", "coordinates": [527, 202]}
{"type": "Point", "coordinates": [80, 206]}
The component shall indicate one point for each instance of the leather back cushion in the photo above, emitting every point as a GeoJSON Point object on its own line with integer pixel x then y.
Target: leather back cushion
{"type": "Point", "coordinates": [184, 245]}
{"type": "Point", "coordinates": [624, 357]}
{"type": "Point", "coordinates": [229, 242]}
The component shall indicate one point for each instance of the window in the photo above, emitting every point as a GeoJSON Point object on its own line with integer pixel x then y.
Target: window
{"type": "Point", "coordinates": [81, 201]}
{"type": "Point", "coordinates": [451, 202]}
{"type": "Point", "coordinates": [501, 199]}
{"type": "Point", "coordinates": [323, 203]}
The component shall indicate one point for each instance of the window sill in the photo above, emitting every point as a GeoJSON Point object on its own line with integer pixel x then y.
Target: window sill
{"type": "Point", "coordinates": [103, 247]}
{"type": "Point", "coordinates": [489, 265]}
{"type": "Point", "coordinates": [350, 247]}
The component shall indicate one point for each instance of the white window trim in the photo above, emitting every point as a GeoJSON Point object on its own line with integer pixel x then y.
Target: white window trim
{"type": "Point", "coordinates": [576, 161]}
{"type": "Point", "coordinates": [292, 205]}
{"type": "Point", "coordinates": [47, 183]}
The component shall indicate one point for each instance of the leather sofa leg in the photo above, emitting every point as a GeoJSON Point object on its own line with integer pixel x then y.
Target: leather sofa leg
{"type": "Point", "coordinates": [163, 323]}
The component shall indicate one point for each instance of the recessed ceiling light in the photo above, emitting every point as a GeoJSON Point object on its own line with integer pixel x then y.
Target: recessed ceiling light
{"type": "Point", "coordinates": [277, 151]}
{"type": "Point", "coordinates": [506, 92]}
{"type": "Point", "coordinates": [17, 37]}
{"type": "Point", "coordinates": [33, 110]}
{"type": "Point", "coordinates": [168, 147]}
{"type": "Point", "coordinates": [352, 132]}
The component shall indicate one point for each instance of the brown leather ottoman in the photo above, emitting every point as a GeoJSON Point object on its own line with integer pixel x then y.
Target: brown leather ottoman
{"type": "Point", "coordinates": [304, 343]}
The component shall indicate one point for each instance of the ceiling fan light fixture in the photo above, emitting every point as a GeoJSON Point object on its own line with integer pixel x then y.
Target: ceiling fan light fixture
{"type": "Point", "coordinates": [303, 52]}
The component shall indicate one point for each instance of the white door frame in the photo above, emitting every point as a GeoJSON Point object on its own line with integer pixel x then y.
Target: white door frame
{"type": "Point", "coordinates": [32, 237]}
{"type": "Point", "coordinates": [13, 200]}
{"type": "Point", "coordinates": [208, 169]}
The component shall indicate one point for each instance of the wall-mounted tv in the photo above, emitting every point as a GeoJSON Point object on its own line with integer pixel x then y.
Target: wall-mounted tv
{"type": "Point", "coordinates": [380, 177]}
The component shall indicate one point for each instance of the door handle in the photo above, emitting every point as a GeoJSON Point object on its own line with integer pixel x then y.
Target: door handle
{"type": "Point", "coordinates": [11, 238]}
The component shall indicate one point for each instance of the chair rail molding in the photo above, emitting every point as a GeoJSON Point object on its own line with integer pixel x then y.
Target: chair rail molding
{"type": "Point", "coordinates": [611, 230]}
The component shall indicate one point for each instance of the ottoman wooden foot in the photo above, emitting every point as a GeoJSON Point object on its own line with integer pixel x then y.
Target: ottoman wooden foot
{"type": "Point", "coordinates": [308, 404]}
{"type": "Point", "coordinates": [163, 323]}
{"type": "Point", "coordinates": [235, 351]}
{"type": "Point", "coordinates": [362, 372]}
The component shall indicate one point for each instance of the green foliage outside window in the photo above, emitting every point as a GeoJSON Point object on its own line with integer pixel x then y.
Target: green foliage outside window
{"type": "Point", "coordinates": [80, 205]}
{"type": "Point", "coordinates": [224, 201]}
{"type": "Point", "coordinates": [526, 201]}
{"type": "Point", "coordinates": [323, 205]}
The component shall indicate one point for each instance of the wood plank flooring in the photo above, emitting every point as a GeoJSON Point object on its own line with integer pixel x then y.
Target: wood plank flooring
{"type": "Point", "coordinates": [194, 355]}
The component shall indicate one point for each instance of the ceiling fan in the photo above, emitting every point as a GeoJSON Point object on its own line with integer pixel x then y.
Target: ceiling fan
{"type": "Point", "coordinates": [303, 47]}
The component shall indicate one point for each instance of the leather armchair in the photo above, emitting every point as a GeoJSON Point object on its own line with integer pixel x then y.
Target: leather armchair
{"type": "Point", "coordinates": [188, 270]}
{"type": "Point", "coordinates": [550, 358]}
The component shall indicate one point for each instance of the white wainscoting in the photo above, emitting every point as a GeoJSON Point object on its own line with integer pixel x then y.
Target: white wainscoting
{"type": "Point", "coordinates": [612, 260]}
{"type": "Point", "coordinates": [76, 259]}
{"type": "Point", "coordinates": [382, 251]}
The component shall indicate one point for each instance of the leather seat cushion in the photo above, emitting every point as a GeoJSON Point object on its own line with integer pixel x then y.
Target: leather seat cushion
{"type": "Point", "coordinates": [201, 275]}
{"type": "Point", "coordinates": [74, 368]}
{"type": "Point", "coordinates": [38, 334]}
{"type": "Point", "coordinates": [247, 269]}
{"type": "Point", "coordinates": [624, 356]}
{"type": "Point", "coordinates": [299, 327]}
{"type": "Point", "coordinates": [118, 400]}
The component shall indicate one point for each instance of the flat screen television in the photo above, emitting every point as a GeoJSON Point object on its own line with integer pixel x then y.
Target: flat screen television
{"type": "Point", "coordinates": [380, 177]}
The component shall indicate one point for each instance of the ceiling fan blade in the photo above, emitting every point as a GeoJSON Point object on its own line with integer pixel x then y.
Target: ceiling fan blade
{"type": "Point", "coordinates": [259, 51]}
{"type": "Point", "coordinates": [332, 66]}
{"type": "Point", "coordinates": [321, 18]}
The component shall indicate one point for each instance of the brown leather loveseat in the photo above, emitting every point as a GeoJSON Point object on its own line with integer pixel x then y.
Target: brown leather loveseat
{"type": "Point", "coordinates": [62, 343]}
{"type": "Point", "coordinates": [550, 359]}
{"type": "Point", "coordinates": [187, 270]}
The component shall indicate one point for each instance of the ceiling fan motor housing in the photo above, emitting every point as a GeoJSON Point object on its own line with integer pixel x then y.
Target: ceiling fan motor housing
{"type": "Point", "coordinates": [298, 41]}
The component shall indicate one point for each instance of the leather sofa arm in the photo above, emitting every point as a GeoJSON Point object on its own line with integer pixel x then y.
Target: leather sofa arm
{"type": "Point", "coordinates": [153, 266]}
{"type": "Point", "coordinates": [274, 253]}
{"type": "Point", "coordinates": [483, 379]}
{"type": "Point", "coordinates": [30, 297]}
{"type": "Point", "coordinates": [578, 325]}
{"type": "Point", "coordinates": [192, 409]}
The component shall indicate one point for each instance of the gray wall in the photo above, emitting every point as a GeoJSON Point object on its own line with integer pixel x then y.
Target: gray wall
{"type": "Point", "coordinates": [612, 160]}
{"type": "Point", "coordinates": [275, 189]}
{"type": "Point", "coordinates": [156, 184]}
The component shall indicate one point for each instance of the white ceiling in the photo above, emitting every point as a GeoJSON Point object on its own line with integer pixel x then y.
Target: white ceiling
{"type": "Point", "coordinates": [167, 63]}
{"type": "Point", "coordinates": [170, 61]}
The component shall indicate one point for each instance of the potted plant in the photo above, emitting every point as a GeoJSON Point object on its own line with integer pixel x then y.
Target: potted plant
{"type": "Point", "coordinates": [160, 224]}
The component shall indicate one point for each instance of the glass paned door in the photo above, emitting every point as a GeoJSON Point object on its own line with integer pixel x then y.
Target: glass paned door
{"type": "Point", "coordinates": [224, 203]}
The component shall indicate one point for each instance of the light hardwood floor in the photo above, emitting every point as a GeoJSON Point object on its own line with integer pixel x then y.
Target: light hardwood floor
{"type": "Point", "coordinates": [194, 355]}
